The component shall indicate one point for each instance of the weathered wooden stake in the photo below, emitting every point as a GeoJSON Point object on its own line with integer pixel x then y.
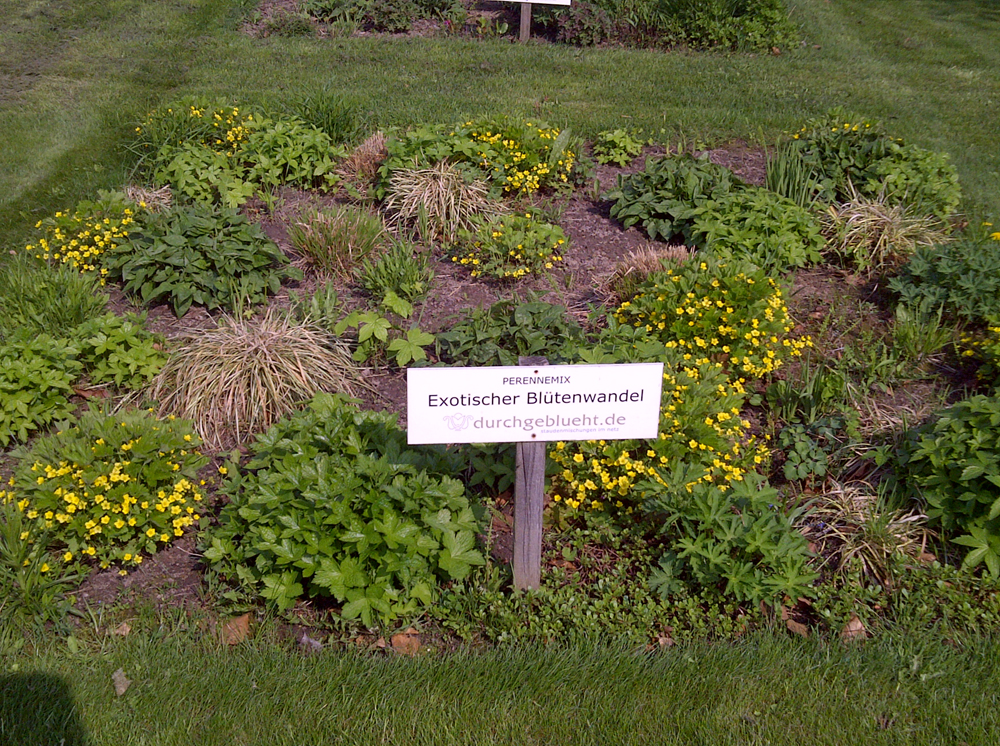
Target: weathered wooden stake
{"type": "Point", "coordinates": [525, 21]}
{"type": "Point", "coordinates": [529, 494]}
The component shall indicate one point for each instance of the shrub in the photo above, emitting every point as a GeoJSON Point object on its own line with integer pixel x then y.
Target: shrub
{"type": "Point", "coordinates": [510, 247]}
{"type": "Point", "coordinates": [757, 226]}
{"type": "Point", "coordinates": [36, 377]}
{"type": "Point", "coordinates": [515, 156]}
{"type": "Point", "coordinates": [874, 235]}
{"type": "Point", "coordinates": [335, 239]}
{"type": "Point", "coordinates": [333, 503]}
{"type": "Point", "coordinates": [733, 537]}
{"type": "Point", "coordinates": [731, 312]}
{"type": "Point", "coordinates": [37, 299]}
{"type": "Point", "coordinates": [618, 146]}
{"type": "Point", "coordinates": [845, 153]}
{"type": "Point", "coordinates": [241, 377]}
{"type": "Point", "coordinates": [961, 276]}
{"type": "Point", "coordinates": [218, 154]}
{"type": "Point", "coordinates": [400, 270]}
{"type": "Point", "coordinates": [700, 426]}
{"type": "Point", "coordinates": [438, 201]}
{"type": "Point", "coordinates": [80, 240]}
{"type": "Point", "coordinates": [952, 464]}
{"type": "Point", "coordinates": [507, 330]}
{"type": "Point", "coordinates": [118, 350]}
{"type": "Point", "coordinates": [109, 488]}
{"type": "Point", "coordinates": [198, 254]}
{"type": "Point", "coordinates": [661, 198]}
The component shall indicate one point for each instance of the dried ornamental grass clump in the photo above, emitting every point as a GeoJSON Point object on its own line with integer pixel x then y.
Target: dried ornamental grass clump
{"type": "Point", "coordinates": [440, 200]}
{"type": "Point", "coordinates": [362, 164]}
{"type": "Point", "coordinates": [335, 239]}
{"type": "Point", "coordinates": [624, 280]}
{"type": "Point", "coordinates": [241, 377]}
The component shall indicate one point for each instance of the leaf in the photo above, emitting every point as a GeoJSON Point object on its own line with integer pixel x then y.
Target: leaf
{"type": "Point", "coordinates": [120, 681]}
{"type": "Point", "coordinates": [236, 630]}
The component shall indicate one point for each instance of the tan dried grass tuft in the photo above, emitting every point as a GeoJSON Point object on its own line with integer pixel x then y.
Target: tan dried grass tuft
{"type": "Point", "coordinates": [631, 271]}
{"type": "Point", "coordinates": [874, 235]}
{"type": "Point", "coordinates": [438, 201]}
{"type": "Point", "coordinates": [155, 200]}
{"type": "Point", "coordinates": [238, 379]}
{"type": "Point", "coordinates": [361, 166]}
{"type": "Point", "coordinates": [851, 529]}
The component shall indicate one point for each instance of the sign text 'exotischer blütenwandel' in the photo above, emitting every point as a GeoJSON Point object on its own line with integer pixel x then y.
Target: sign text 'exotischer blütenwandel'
{"type": "Point", "coordinates": [567, 402]}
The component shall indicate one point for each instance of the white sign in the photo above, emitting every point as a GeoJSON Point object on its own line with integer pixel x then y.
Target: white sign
{"type": "Point", "coordinates": [543, 2]}
{"type": "Point", "coordinates": [541, 403]}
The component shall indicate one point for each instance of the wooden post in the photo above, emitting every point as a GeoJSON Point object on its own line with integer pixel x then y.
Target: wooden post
{"type": "Point", "coordinates": [525, 21]}
{"type": "Point", "coordinates": [529, 494]}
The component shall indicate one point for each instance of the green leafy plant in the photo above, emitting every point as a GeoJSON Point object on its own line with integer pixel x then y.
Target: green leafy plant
{"type": "Point", "coordinates": [37, 299]}
{"type": "Point", "coordinates": [199, 255]}
{"type": "Point", "coordinates": [952, 464]}
{"type": "Point", "coordinates": [320, 308]}
{"type": "Point", "coordinates": [109, 489]}
{"type": "Point", "coordinates": [241, 377]}
{"type": "Point", "coordinates": [36, 381]}
{"type": "Point", "coordinates": [961, 276]}
{"type": "Point", "coordinates": [617, 146]}
{"type": "Point", "coordinates": [848, 155]}
{"type": "Point", "coordinates": [505, 331]}
{"type": "Point", "coordinates": [739, 540]}
{"type": "Point", "coordinates": [790, 176]}
{"type": "Point", "coordinates": [330, 111]}
{"type": "Point", "coordinates": [516, 156]}
{"type": "Point", "coordinates": [756, 225]}
{"type": "Point", "coordinates": [335, 239]}
{"type": "Point", "coordinates": [729, 311]}
{"type": "Point", "coordinates": [439, 200]}
{"type": "Point", "coordinates": [332, 503]}
{"type": "Point", "coordinates": [510, 247]}
{"type": "Point", "coordinates": [401, 270]}
{"type": "Point", "coordinates": [660, 199]}
{"type": "Point", "coordinates": [118, 350]}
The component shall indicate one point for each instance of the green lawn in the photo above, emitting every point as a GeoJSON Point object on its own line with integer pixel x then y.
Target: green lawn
{"type": "Point", "coordinates": [74, 76]}
{"type": "Point", "coordinates": [766, 690]}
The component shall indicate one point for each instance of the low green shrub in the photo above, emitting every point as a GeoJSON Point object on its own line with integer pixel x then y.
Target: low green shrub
{"type": "Point", "coordinates": [336, 239]}
{"type": "Point", "coordinates": [36, 381]}
{"type": "Point", "coordinates": [119, 350]}
{"type": "Point", "coordinates": [700, 426]}
{"type": "Point", "coordinates": [736, 538]}
{"type": "Point", "coordinates": [758, 226]}
{"type": "Point", "coordinates": [661, 198]}
{"type": "Point", "coordinates": [516, 156]}
{"type": "Point", "coordinates": [510, 247]}
{"type": "Point", "coordinates": [731, 312]}
{"type": "Point", "coordinates": [962, 277]}
{"type": "Point", "coordinates": [596, 585]}
{"type": "Point", "coordinates": [401, 270]}
{"type": "Point", "coordinates": [617, 146]}
{"type": "Point", "coordinates": [848, 156]}
{"type": "Point", "coordinates": [109, 489]}
{"type": "Point", "coordinates": [198, 254]}
{"type": "Point", "coordinates": [507, 330]}
{"type": "Point", "coordinates": [952, 465]}
{"type": "Point", "coordinates": [332, 503]}
{"type": "Point", "coordinates": [216, 153]}
{"type": "Point", "coordinates": [37, 299]}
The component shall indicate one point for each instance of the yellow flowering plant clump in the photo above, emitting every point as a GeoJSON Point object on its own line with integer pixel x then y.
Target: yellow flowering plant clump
{"type": "Point", "coordinates": [108, 489]}
{"type": "Point", "coordinates": [730, 312]}
{"type": "Point", "coordinates": [524, 156]}
{"type": "Point", "coordinates": [700, 426]}
{"type": "Point", "coordinates": [219, 127]}
{"type": "Point", "coordinates": [510, 247]}
{"type": "Point", "coordinates": [80, 238]}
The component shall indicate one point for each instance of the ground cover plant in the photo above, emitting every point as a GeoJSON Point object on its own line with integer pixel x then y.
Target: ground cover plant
{"type": "Point", "coordinates": [793, 486]}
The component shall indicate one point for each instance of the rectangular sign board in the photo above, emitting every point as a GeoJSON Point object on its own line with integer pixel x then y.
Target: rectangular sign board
{"type": "Point", "coordinates": [543, 2]}
{"type": "Point", "coordinates": [540, 403]}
